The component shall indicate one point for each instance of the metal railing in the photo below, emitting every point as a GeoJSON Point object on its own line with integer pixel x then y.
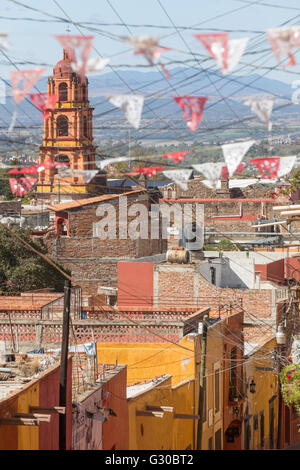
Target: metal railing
{"type": "Point", "coordinates": [54, 309]}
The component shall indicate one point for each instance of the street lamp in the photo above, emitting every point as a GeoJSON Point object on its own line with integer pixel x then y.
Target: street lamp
{"type": "Point", "coordinates": [280, 335]}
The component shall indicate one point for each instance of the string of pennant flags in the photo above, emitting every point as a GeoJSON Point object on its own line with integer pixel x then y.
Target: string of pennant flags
{"type": "Point", "coordinates": [224, 51]}
{"type": "Point", "coordinates": [270, 168]}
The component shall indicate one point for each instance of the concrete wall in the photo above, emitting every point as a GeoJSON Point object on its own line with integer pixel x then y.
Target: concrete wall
{"type": "Point", "coordinates": [225, 276]}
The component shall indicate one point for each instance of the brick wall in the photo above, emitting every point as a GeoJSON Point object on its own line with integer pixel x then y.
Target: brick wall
{"type": "Point", "coordinates": [10, 206]}
{"type": "Point", "coordinates": [196, 189]}
{"type": "Point", "coordinates": [92, 260]}
{"type": "Point", "coordinates": [176, 285]}
{"type": "Point", "coordinates": [30, 333]}
{"type": "Point", "coordinates": [27, 300]}
{"type": "Point", "coordinates": [245, 213]}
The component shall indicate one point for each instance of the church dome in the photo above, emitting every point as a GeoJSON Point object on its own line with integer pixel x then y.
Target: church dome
{"type": "Point", "coordinates": [63, 67]}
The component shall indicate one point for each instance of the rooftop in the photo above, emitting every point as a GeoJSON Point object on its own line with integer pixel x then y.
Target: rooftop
{"type": "Point", "coordinates": [134, 391]}
{"type": "Point", "coordinates": [91, 200]}
{"type": "Point", "coordinates": [14, 375]}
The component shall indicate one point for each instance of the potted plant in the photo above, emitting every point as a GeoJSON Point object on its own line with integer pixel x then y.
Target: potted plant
{"type": "Point", "coordinates": [290, 385]}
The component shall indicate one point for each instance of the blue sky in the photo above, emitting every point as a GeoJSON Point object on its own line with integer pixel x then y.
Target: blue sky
{"type": "Point", "coordinates": [35, 42]}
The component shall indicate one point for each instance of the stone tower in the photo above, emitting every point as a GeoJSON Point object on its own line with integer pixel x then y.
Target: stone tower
{"type": "Point", "coordinates": [68, 138]}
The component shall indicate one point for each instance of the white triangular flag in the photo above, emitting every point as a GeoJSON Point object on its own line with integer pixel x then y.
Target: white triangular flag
{"type": "Point", "coordinates": [212, 171]}
{"type": "Point", "coordinates": [88, 175]}
{"type": "Point", "coordinates": [286, 165]}
{"type": "Point", "coordinates": [3, 41]}
{"type": "Point", "coordinates": [180, 177]}
{"type": "Point", "coordinates": [236, 49]}
{"type": "Point", "coordinates": [141, 42]}
{"type": "Point", "coordinates": [262, 107]}
{"type": "Point", "coordinates": [112, 161]}
{"type": "Point", "coordinates": [63, 171]}
{"type": "Point", "coordinates": [131, 106]}
{"type": "Point", "coordinates": [94, 64]}
{"type": "Point", "coordinates": [234, 153]}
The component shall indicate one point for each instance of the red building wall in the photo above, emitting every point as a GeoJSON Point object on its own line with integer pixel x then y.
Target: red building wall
{"type": "Point", "coordinates": [49, 396]}
{"type": "Point", "coordinates": [135, 283]}
{"type": "Point", "coordinates": [273, 272]}
{"type": "Point", "coordinates": [116, 429]}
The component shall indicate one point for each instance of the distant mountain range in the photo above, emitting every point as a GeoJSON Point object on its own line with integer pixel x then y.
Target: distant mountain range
{"type": "Point", "coordinates": [159, 93]}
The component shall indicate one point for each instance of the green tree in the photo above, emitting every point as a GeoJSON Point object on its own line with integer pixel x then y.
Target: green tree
{"type": "Point", "coordinates": [23, 270]}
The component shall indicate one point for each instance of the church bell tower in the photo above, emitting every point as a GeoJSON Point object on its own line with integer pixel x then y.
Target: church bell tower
{"type": "Point", "coordinates": [68, 138]}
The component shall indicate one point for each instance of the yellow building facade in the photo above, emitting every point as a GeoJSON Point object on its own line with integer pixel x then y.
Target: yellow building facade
{"type": "Point", "coordinates": [160, 416]}
{"type": "Point", "coordinates": [261, 407]}
{"type": "Point", "coordinates": [147, 360]}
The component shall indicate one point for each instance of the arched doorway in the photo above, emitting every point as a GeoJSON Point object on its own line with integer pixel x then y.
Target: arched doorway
{"type": "Point", "coordinates": [61, 227]}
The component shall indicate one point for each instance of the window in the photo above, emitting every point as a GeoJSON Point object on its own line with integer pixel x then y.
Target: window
{"type": "Point", "coordinates": [247, 433]}
{"type": "Point", "coordinates": [262, 429]}
{"type": "Point", "coordinates": [232, 374]}
{"type": "Point", "coordinates": [63, 92]}
{"type": "Point", "coordinates": [271, 423]}
{"type": "Point", "coordinates": [217, 391]}
{"type": "Point", "coordinates": [62, 159]}
{"type": "Point", "coordinates": [255, 422]}
{"type": "Point", "coordinates": [204, 399]}
{"type": "Point", "coordinates": [210, 443]}
{"type": "Point", "coordinates": [218, 440]}
{"type": "Point", "coordinates": [85, 126]}
{"type": "Point", "coordinates": [62, 124]}
{"type": "Point", "coordinates": [213, 275]}
{"type": "Point", "coordinates": [84, 98]}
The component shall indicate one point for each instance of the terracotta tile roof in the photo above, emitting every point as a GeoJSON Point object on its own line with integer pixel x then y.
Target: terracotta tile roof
{"type": "Point", "coordinates": [91, 200]}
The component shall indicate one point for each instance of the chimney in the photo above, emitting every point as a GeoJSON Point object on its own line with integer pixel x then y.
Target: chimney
{"type": "Point", "coordinates": [224, 191]}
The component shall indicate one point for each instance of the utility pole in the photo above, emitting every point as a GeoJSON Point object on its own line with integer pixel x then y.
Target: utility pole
{"type": "Point", "coordinates": [64, 366]}
{"type": "Point", "coordinates": [278, 353]}
{"type": "Point", "coordinates": [201, 383]}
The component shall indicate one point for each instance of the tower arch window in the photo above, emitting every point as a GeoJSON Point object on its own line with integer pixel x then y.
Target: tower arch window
{"type": "Point", "coordinates": [62, 159]}
{"type": "Point", "coordinates": [85, 126]}
{"type": "Point", "coordinates": [63, 92]}
{"type": "Point", "coordinates": [84, 95]}
{"type": "Point", "coordinates": [62, 124]}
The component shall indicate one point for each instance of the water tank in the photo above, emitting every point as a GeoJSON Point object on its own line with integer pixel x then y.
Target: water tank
{"type": "Point", "coordinates": [179, 255]}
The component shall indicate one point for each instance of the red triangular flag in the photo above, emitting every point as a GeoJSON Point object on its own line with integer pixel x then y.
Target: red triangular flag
{"type": "Point", "coordinates": [195, 106]}
{"type": "Point", "coordinates": [208, 41]}
{"type": "Point", "coordinates": [29, 78]}
{"type": "Point", "coordinates": [44, 102]}
{"type": "Point", "coordinates": [268, 167]}
{"type": "Point", "coordinates": [73, 43]}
